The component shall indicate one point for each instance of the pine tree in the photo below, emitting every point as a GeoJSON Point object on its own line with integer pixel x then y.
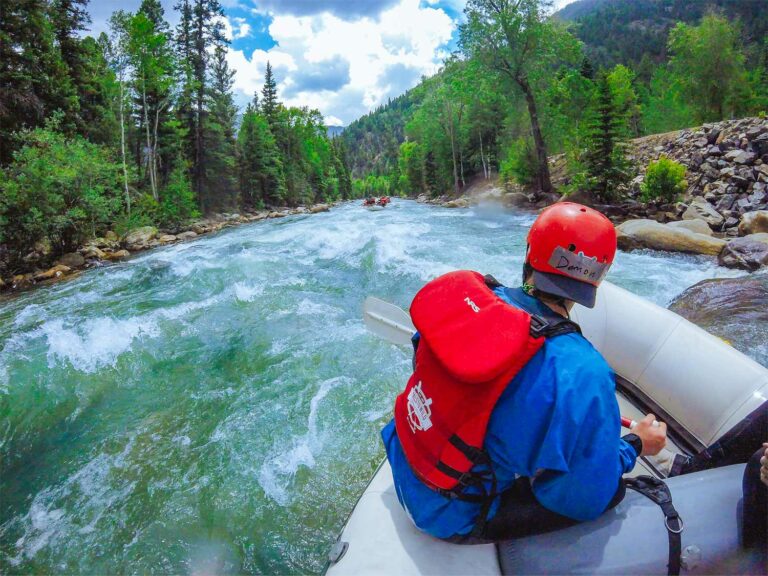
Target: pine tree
{"type": "Point", "coordinates": [605, 159]}
{"type": "Point", "coordinates": [33, 77]}
{"type": "Point", "coordinates": [69, 18]}
{"type": "Point", "coordinates": [219, 182]}
{"type": "Point", "coordinates": [269, 101]}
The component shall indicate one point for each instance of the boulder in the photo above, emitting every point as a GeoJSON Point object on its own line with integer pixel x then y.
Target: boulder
{"type": "Point", "coordinates": [319, 208]}
{"type": "Point", "coordinates": [753, 222]}
{"type": "Point", "coordinates": [457, 203]}
{"type": "Point", "coordinates": [72, 260]}
{"type": "Point", "coordinates": [55, 272]}
{"type": "Point", "coordinates": [119, 255]}
{"type": "Point", "coordinates": [92, 253]}
{"type": "Point", "coordinates": [516, 199]}
{"type": "Point", "coordinates": [731, 308]}
{"type": "Point", "coordinates": [276, 214]}
{"type": "Point", "coordinates": [21, 281]}
{"type": "Point", "coordinates": [104, 242]}
{"type": "Point", "coordinates": [634, 234]}
{"type": "Point", "coordinates": [139, 238]}
{"type": "Point", "coordinates": [703, 210]}
{"type": "Point", "coordinates": [745, 254]}
{"type": "Point", "coordinates": [111, 236]}
{"type": "Point", "coordinates": [698, 226]}
{"type": "Point", "coordinates": [166, 239]}
{"type": "Point", "coordinates": [188, 235]}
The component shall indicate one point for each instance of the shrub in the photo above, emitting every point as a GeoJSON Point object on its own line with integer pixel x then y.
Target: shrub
{"type": "Point", "coordinates": [520, 164]}
{"type": "Point", "coordinates": [664, 179]}
{"type": "Point", "coordinates": [61, 189]}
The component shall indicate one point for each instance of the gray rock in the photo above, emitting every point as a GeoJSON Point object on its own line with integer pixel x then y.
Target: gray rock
{"type": "Point", "coordinates": [714, 151]}
{"type": "Point", "coordinates": [760, 144]}
{"type": "Point", "coordinates": [731, 222]}
{"type": "Point", "coordinates": [701, 142]}
{"type": "Point", "coordinates": [744, 253]}
{"type": "Point", "coordinates": [634, 234]}
{"type": "Point", "coordinates": [703, 210]}
{"type": "Point", "coordinates": [188, 235]}
{"type": "Point", "coordinates": [698, 226]}
{"type": "Point", "coordinates": [713, 135]}
{"type": "Point", "coordinates": [71, 260]}
{"type": "Point", "coordinates": [753, 223]}
{"type": "Point", "coordinates": [726, 202]}
{"type": "Point", "coordinates": [139, 238]}
{"type": "Point", "coordinates": [756, 131]}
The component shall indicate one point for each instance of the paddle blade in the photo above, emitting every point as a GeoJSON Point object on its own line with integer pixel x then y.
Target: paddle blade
{"type": "Point", "coordinates": [388, 321]}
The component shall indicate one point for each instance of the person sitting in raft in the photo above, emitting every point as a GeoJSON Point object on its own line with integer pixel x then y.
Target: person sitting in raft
{"type": "Point", "coordinates": [509, 425]}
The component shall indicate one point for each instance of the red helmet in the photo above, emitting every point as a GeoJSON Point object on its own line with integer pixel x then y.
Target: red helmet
{"type": "Point", "coordinates": [570, 248]}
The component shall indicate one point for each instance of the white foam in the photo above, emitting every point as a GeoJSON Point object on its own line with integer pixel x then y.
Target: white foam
{"type": "Point", "coordinates": [96, 343]}
{"type": "Point", "coordinates": [309, 308]}
{"type": "Point", "coordinates": [246, 292]}
{"type": "Point", "coordinates": [277, 472]}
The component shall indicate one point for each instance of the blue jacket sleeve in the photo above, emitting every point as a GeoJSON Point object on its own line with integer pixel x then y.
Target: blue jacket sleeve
{"type": "Point", "coordinates": [595, 456]}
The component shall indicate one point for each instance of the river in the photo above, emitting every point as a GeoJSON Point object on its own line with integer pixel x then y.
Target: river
{"type": "Point", "coordinates": [215, 406]}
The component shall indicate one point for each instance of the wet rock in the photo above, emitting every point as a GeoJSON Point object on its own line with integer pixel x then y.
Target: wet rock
{"type": "Point", "coordinates": [21, 281]}
{"type": "Point", "coordinates": [188, 235]}
{"type": "Point", "coordinates": [166, 239]}
{"type": "Point", "coordinates": [319, 208]}
{"type": "Point", "coordinates": [92, 253]}
{"type": "Point", "coordinates": [515, 199]}
{"type": "Point", "coordinates": [703, 210]}
{"type": "Point", "coordinates": [139, 238]}
{"type": "Point", "coordinates": [753, 222]}
{"type": "Point", "coordinates": [55, 272]}
{"type": "Point", "coordinates": [118, 255]}
{"type": "Point", "coordinates": [634, 234]}
{"type": "Point", "coordinates": [458, 203]}
{"type": "Point", "coordinates": [731, 308]}
{"type": "Point", "coordinates": [276, 214]}
{"type": "Point", "coordinates": [72, 260]}
{"type": "Point", "coordinates": [745, 254]}
{"type": "Point", "coordinates": [698, 226]}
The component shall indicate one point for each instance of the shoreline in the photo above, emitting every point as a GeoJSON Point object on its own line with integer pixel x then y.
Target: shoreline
{"type": "Point", "coordinates": [110, 249]}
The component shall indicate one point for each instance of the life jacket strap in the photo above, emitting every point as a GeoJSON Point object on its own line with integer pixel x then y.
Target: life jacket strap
{"type": "Point", "coordinates": [659, 493]}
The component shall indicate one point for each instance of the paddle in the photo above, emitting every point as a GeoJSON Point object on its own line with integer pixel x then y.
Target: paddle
{"type": "Point", "coordinates": [388, 321]}
{"type": "Point", "coordinates": [394, 324]}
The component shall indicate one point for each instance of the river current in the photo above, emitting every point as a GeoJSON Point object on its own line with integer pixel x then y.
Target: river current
{"type": "Point", "coordinates": [215, 406]}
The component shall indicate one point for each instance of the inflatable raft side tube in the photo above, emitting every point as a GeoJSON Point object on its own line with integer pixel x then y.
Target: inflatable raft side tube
{"type": "Point", "coordinates": [703, 383]}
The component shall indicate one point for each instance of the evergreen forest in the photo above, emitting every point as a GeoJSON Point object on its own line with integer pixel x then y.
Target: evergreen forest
{"type": "Point", "coordinates": [139, 127]}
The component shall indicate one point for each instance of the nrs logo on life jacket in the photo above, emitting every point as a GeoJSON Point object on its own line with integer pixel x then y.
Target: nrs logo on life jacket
{"type": "Point", "coordinates": [463, 364]}
{"type": "Point", "coordinates": [419, 410]}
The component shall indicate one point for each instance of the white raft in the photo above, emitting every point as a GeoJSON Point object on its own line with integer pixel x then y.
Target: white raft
{"type": "Point", "coordinates": [698, 384]}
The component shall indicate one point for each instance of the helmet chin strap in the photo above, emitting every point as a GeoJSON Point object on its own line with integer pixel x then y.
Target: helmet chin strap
{"type": "Point", "coordinates": [548, 299]}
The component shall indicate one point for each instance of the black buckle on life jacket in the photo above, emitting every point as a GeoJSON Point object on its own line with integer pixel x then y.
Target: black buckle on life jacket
{"type": "Point", "coordinates": [539, 326]}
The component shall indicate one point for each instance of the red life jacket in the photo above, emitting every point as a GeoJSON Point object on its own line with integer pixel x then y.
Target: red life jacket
{"type": "Point", "coordinates": [472, 344]}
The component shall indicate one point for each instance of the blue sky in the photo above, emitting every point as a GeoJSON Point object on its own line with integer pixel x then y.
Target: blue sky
{"type": "Point", "coordinates": [343, 57]}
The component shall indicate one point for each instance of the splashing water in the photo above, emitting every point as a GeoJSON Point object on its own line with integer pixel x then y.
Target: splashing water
{"type": "Point", "coordinates": [215, 406]}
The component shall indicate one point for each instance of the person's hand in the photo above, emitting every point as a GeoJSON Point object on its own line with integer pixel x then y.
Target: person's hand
{"type": "Point", "coordinates": [654, 437]}
{"type": "Point", "coordinates": [764, 465]}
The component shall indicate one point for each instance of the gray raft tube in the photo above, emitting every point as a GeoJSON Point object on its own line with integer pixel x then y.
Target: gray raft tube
{"type": "Point", "coordinates": [632, 538]}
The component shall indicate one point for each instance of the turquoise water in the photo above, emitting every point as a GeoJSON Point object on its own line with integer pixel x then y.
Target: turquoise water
{"type": "Point", "coordinates": [214, 406]}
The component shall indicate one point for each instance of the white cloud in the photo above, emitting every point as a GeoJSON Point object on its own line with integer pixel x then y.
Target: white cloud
{"type": "Point", "coordinates": [385, 55]}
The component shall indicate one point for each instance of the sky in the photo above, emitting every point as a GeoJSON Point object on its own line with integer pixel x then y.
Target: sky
{"type": "Point", "coordinates": [343, 57]}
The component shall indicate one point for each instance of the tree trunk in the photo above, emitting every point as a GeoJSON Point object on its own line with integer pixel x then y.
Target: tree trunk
{"type": "Point", "coordinates": [122, 148]}
{"type": "Point", "coordinates": [545, 183]}
{"type": "Point", "coordinates": [150, 150]}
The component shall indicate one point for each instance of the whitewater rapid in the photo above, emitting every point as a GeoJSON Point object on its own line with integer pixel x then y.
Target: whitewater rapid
{"type": "Point", "coordinates": [214, 406]}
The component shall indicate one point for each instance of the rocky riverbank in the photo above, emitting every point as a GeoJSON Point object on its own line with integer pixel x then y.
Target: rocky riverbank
{"type": "Point", "coordinates": [723, 213]}
{"type": "Point", "coordinates": [112, 248]}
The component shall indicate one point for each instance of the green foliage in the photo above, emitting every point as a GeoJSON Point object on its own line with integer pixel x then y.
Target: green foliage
{"type": "Point", "coordinates": [664, 180]}
{"type": "Point", "coordinates": [605, 162]}
{"type": "Point", "coordinates": [371, 186]}
{"type": "Point", "coordinates": [520, 164]}
{"type": "Point", "coordinates": [59, 188]}
{"type": "Point", "coordinates": [664, 107]}
{"type": "Point", "coordinates": [411, 168]}
{"type": "Point", "coordinates": [708, 62]}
